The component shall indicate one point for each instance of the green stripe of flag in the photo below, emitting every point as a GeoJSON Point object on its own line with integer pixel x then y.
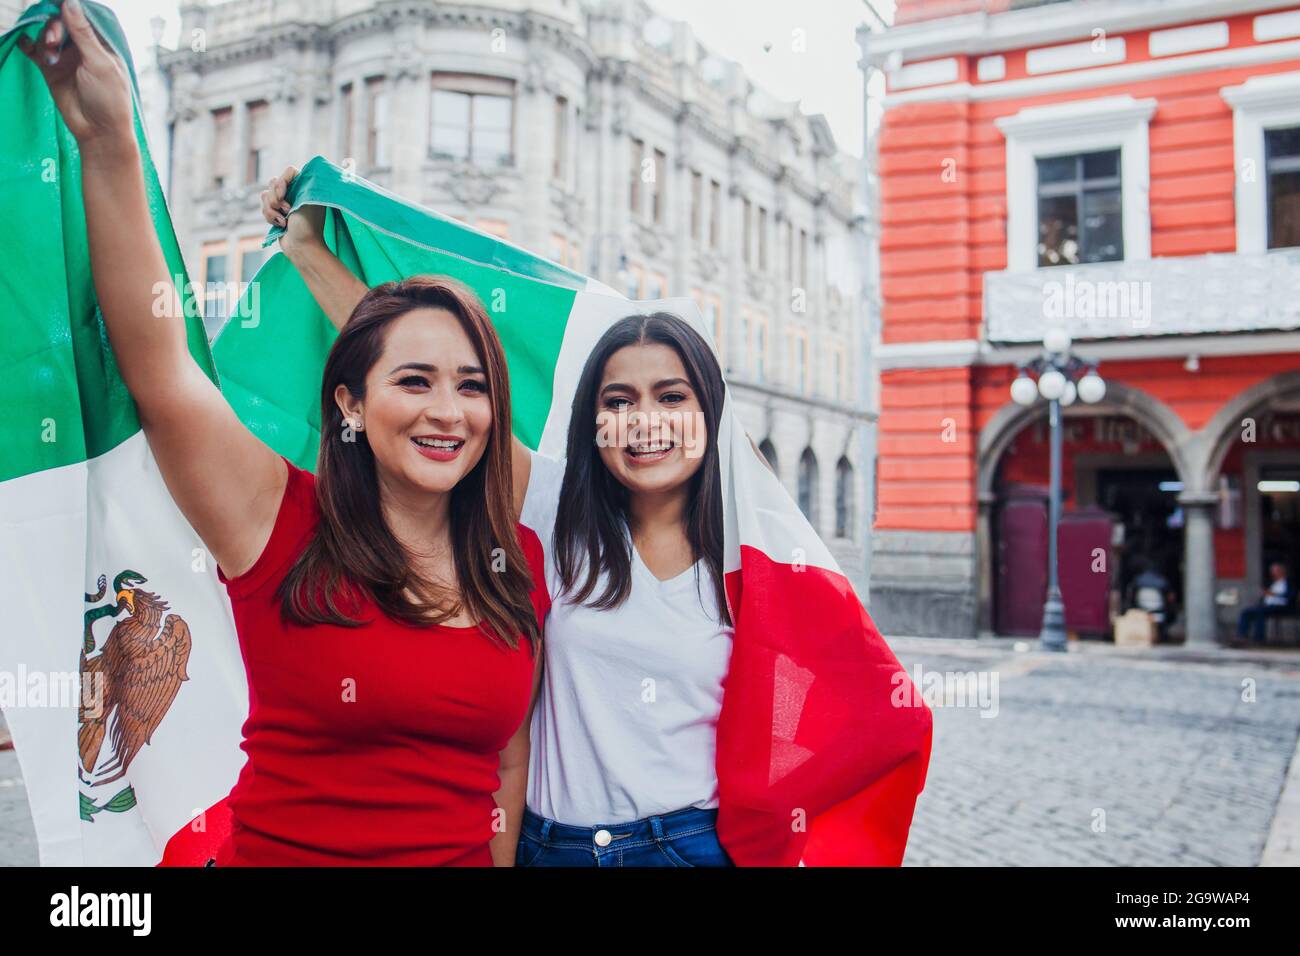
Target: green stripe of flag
{"type": "Point", "coordinates": [59, 384]}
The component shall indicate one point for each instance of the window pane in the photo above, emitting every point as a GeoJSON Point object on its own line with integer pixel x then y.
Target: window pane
{"type": "Point", "coordinates": [1283, 210]}
{"type": "Point", "coordinates": [222, 128]}
{"type": "Point", "coordinates": [1280, 143]}
{"type": "Point", "coordinates": [1098, 165]}
{"type": "Point", "coordinates": [215, 269]}
{"type": "Point", "coordinates": [249, 263]}
{"type": "Point", "coordinates": [1103, 233]}
{"type": "Point", "coordinates": [214, 293]}
{"type": "Point", "coordinates": [1058, 231]}
{"type": "Point", "coordinates": [450, 109]}
{"type": "Point", "coordinates": [491, 147]}
{"type": "Point", "coordinates": [492, 112]}
{"type": "Point", "coordinates": [450, 141]}
{"type": "Point", "coordinates": [491, 137]}
{"type": "Point", "coordinates": [1056, 169]}
{"type": "Point", "coordinates": [376, 122]}
{"type": "Point", "coordinates": [450, 136]}
{"type": "Point", "coordinates": [559, 162]}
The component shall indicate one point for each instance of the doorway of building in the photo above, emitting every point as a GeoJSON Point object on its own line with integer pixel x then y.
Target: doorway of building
{"type": "Point", "coordinates": [1149, 528]}
{"type": "Point", "coordinates": [1279, 520]}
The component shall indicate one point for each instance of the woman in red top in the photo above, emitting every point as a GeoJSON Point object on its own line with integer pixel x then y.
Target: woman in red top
{"type": "Point", "coordinates": [386, 608]}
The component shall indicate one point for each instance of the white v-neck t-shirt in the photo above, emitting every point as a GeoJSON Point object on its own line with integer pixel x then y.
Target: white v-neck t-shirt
{"type": "Point", "coordinates": [626, 720]}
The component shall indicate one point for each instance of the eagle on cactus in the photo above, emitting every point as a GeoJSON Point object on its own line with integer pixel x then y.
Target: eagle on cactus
{"type": "Point", "coordinates": [128, 683]}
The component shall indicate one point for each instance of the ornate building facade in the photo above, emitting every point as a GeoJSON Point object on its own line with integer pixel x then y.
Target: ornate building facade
{"type": "Point", "coordinates": [598, 134]}
{"type": "Point", "coordinates": [1128, 172]}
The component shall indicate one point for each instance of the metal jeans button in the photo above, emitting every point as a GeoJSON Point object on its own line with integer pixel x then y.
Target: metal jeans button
{"type": "Point", "coordinates": [603, 837]}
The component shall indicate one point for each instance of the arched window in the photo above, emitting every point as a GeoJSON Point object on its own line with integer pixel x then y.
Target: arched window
{"type": "Point", "coordinates": [808, 485]}
{"type": "Point", "coordinates": [843, 499]}
{"type": "Point", "coordinates": [769, 452]}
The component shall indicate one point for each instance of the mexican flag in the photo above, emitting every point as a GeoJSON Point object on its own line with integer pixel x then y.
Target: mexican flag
{"type": "Point", "coordinates": [120, 677]}
{"type": "Point", "coordinates": [822, 744]}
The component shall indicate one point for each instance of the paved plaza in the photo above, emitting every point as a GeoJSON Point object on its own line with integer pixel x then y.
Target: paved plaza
{"type": "Point", "coordinates": [1098, 757]}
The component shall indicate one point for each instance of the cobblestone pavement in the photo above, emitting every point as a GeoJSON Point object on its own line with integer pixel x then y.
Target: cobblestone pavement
{"type": "Point", "coordinates": [17, 838]}
{"type": "Point", "coordinates": [1105, 757]}
{"type": "Point", "coordinates": [1099, 757]}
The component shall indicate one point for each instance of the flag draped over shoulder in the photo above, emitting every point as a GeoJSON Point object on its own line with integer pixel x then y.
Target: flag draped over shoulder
{"type": "Point", "coordinates": [120, 677]}
{"type": "Point", "coordinates": [822, 745]}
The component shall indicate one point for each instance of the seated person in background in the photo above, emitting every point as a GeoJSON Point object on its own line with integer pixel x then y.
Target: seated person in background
{"type": "Point", "coordinates": [1275, 599]}
{"type": "Point", "coordinates": [1150, 591]}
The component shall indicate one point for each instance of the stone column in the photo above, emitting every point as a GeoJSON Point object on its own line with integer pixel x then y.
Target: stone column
{"type": "Point", "coordinates": [984, 563]}
{"type": "Point", "coordinates": [1198, 568]}
{"type": "Point", "coordinates": [534, 153]}
{"type": "Point", "coordinates": [360, 119]}
{"type": "Point", "coordinates": [678, 223]}
{"type": "Point", "coordinates": [407, 128]}
{"type": "Point", "coordinates": [730, 224]}
{"type": "Point", "coordinates": [239, 138]}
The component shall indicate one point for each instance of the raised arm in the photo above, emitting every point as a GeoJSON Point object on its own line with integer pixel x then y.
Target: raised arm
{"type": "Point", "coordinates": [225, 481]}
{"type": "Point", "coordinates": [332, 284]}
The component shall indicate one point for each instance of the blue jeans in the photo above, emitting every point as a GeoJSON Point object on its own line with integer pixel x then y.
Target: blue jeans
{"type": "Point", "coordinates": [1252, 619]}
{"type": "Point", "coordinates": [682, 838]}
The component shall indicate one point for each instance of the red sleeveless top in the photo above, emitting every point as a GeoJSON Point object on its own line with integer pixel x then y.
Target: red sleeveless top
{"type": "Point", "coordinates": [374, 745]}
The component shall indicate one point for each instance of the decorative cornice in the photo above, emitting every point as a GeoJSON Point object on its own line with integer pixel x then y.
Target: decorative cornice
{"type": "Point", "coordinates": [791, 401]}
{"type": "Point", "coordinates": [977, 33]}
{"type": "Point", "coordinates": [571, 206]}
{"type": "Point", "coordinates": [1264, 92]}
{"type": "Point", "coordinates": [757, 285]}
{"type": "Point", "coordinates": [471, 185]}
{"type": "Point", "coordinates": [707, 264]}
{"type": "Point", "coordinates": [232, 205]}
{"type": "Point", "coordinates": [649, 238]}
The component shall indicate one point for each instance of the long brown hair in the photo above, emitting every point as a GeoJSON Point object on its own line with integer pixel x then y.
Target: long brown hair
{"type": "Point", "coordinates": [353, 551]}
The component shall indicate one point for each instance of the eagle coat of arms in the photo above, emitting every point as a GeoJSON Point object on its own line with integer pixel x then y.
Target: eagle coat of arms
{"type": "Point", "coordinates": [128, 682]}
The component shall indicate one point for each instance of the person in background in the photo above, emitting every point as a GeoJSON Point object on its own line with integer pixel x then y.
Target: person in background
{"type": "Point", "coordinates": [1274, 600]}
{"type": "Point", "coordinates": [1150, 591]}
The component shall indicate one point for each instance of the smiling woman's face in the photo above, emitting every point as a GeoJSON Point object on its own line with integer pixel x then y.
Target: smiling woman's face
{"type": "Point", "coordinates": [426, 413]}
{"type": "Point", "coordinates": [649, 423]}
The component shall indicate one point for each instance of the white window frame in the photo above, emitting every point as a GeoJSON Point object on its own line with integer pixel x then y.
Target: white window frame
{"type": "Point", "coordinates": [1261, 103]}
{"type": "Point", "coordinates": [1063, 129]}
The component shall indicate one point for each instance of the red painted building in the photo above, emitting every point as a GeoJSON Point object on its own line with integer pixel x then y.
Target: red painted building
{"type": "Point", "coordinates": [1128, 171]}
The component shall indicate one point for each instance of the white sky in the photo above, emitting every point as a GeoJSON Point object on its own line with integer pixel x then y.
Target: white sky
{"type": "Point", "coordinates": [758, 34]}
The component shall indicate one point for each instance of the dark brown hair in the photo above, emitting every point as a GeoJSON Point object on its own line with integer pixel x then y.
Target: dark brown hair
{"type": "Point", "coordinates": [591, 539]}
{"type": "Point", "coordinates": [353, 551]}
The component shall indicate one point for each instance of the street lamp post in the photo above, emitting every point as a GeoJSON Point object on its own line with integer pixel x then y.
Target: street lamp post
{"type": "Point", "coordinates": [1062, 377]}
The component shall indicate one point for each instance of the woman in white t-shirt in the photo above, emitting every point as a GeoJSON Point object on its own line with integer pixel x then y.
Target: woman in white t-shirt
{"type": "Point", "coordinates": [638, 638]}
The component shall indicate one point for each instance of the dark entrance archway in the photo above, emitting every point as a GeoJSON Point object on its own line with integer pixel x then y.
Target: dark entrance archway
{"type": "Point", "coordinates": [1124, 474]}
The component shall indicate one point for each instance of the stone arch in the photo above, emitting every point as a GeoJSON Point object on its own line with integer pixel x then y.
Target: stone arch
{"type": "Point", "coordinates": [1153, 414]}
{"type": "Point", "coordinates": [1219, 432]}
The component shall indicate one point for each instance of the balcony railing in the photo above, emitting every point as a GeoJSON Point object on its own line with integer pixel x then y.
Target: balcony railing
{"type": "Point", "coordinates": [1176, 295]}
